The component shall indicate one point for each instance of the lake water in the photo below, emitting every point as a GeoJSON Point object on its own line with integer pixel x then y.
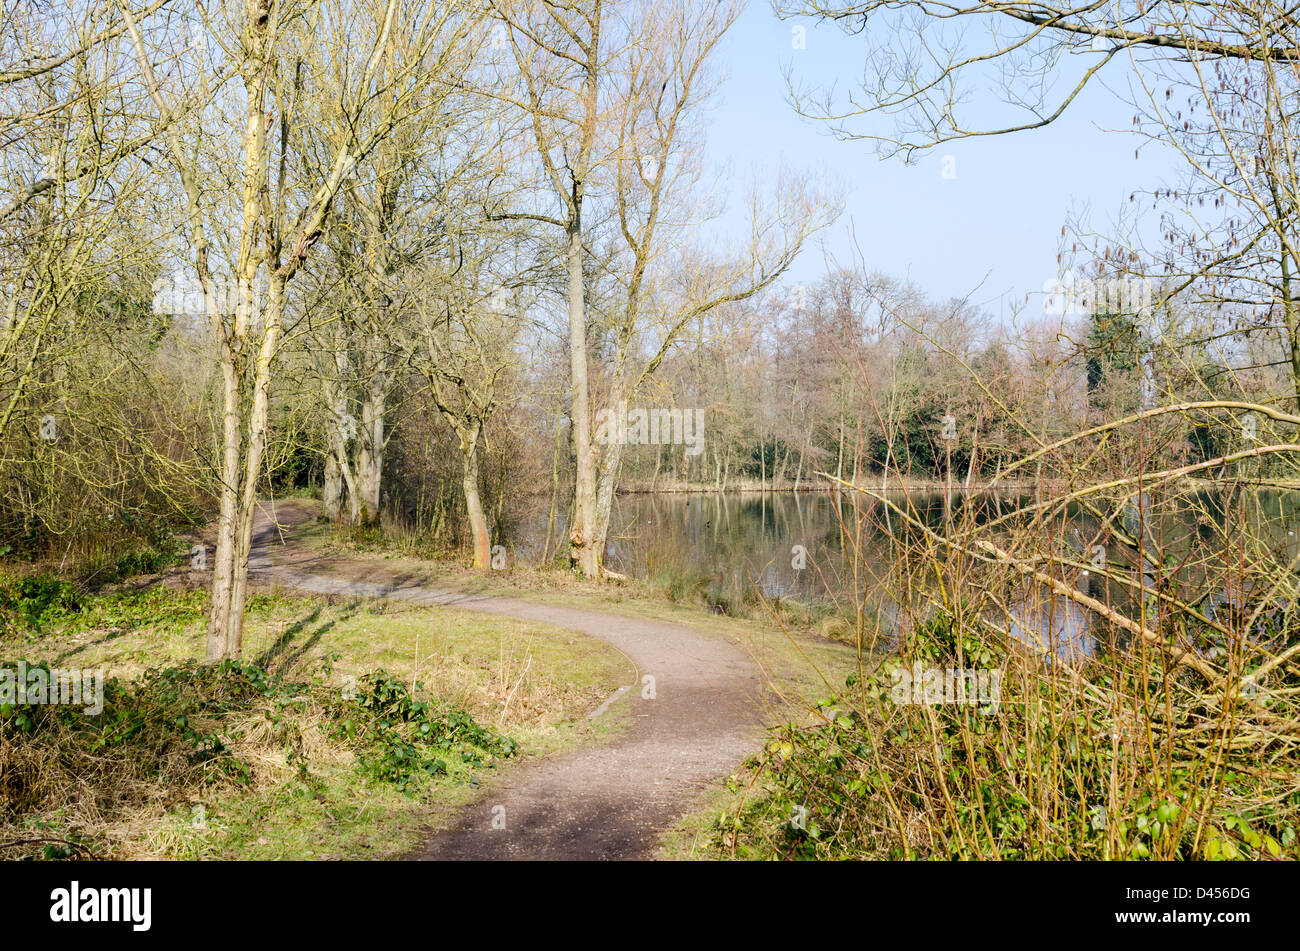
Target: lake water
{"type": "Point", "coordinates": [732, 546]}
{"type": "Point", "coordinates": [732, 541]}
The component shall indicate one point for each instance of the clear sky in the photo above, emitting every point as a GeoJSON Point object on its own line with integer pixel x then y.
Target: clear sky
{"type": "Point", "coordinates": [996, 226]}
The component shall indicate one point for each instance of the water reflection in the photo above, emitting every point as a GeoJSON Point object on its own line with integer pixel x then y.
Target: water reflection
{"type": "Point", "coordinates": [1062, 628]}
{"type": "Point", "coordinates": [729, 541]}
{"type": "Point", "coordinates": [730, 546]}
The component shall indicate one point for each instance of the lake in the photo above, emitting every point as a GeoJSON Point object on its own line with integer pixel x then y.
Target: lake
{"type": "Point", "coordinates": [732, 546]}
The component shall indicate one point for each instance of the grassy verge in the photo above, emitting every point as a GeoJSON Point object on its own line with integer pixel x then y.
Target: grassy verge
{"type": "Point", "coordinates": [802, 651]}
{"type": "Point", "coordinates": [351, 728]}
{"type": "Point", "coordinates": [669, 597]}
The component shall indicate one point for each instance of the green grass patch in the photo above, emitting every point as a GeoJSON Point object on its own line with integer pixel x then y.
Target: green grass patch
{"type": "Point", "coordinates": [349, 730]}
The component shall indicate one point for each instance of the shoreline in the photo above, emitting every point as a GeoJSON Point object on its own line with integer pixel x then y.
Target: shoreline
{"type": "Point", "coordinates": [894, 485]}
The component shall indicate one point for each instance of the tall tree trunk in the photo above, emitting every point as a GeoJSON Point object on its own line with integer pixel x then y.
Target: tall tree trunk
{"type": "Point", "coordinates": [374, 397]}
{"type": "Point", "coordinates": [223, 562]}
{"type": "Point", "coordinates": [609, 470]}
{"type": "Point", "coordinates": [605, 495]}
{"type": "Point", "coordinates": [478, 526]}
{"type": "Point", "coordinates": [370, 451]}
{"type": "Point", "coordinates": [336, 460]}
{"type": "Point", "coordinates": [255, 449]}
{"type": "Point", "coordinates": [230, 572]}
{"type": "Point", "coordinates": [332, 492]}
{"type": "Point", "coordinates": [582, 550]}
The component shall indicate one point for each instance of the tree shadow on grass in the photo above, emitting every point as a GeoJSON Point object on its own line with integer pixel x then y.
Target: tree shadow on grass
{"type": "Point", "coordinates": [97, 642]}
{"type": "Point", "coordinates": [280, 649]}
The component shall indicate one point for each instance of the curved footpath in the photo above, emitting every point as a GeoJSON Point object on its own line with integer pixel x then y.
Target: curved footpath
{"type": "Point", "coordinates": [606, 802]}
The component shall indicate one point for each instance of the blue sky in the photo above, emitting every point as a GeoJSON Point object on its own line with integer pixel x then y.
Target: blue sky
{"type": "Point", "coordinates": [991, 231]}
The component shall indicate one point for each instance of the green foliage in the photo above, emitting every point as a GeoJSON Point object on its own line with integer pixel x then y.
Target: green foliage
{"type": "Point", "coordinates": [166, 726]}
{"type": "Point", "coordinates": [1114, 349]}
{"type": "Point", "coordinates": [401, 737]}
{"type": "Point", "coordinates": [188, 727]}
{"type": "Point", "coordinates": [946, 638]}
{"type": "Point", "coordinates": [41, 605]}
{"type": "Point", "coordinates": [35, 604]}
{"type": "Point", "coordinates": [148, 559]}
{"type": "Point", "coordinates": [29, 604]}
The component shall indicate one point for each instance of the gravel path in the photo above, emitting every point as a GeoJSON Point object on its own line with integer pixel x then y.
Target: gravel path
{"type": "Point", "coordinates": [693, 721]}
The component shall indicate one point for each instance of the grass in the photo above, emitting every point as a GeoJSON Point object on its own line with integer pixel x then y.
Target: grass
{"type": "Point", "coordinates": [303, 788]}
{"type": "Point", "coordinates": [519, 679]}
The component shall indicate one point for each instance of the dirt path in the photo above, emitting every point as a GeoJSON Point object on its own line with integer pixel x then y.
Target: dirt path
{"type": "Point", "coordinates": [610, 802]}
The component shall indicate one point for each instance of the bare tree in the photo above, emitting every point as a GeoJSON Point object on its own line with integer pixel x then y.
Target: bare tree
{"type": "Point", "coordinates": [467, 328]}
{"type": "Point", "coordinates": [274, 240]}
{"type": "Point", "coordinates": [611, 92]}
{"type": "Point", "coordinates": [389, 220]}
{"type": "Point", "coordinates": [562, 68]}
{"type": "Point", "coordinates": [1215, 82]}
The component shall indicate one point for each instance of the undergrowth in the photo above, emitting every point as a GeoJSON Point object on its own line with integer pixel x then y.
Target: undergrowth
{"type": "Point", "coordinates": [1126, 757]}
{"type": "Point", "coordinates": [175, 734]}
